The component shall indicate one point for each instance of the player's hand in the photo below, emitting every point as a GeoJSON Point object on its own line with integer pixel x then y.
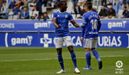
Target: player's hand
{"type": "Point", "coordinates": [81, 38]}
{"type": "Point", "coordinates": [58, 26]}
{"type": "Point", "coordinates": [77, 26]}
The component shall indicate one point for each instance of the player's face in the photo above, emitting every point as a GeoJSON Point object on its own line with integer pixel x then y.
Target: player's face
{"type": "Point", "coordinates": [85, 8]}
{"type": "Point", "coordinates": [63, 7]}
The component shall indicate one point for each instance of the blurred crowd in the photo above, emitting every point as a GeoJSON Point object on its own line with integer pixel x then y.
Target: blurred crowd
{"type": "Point", "coordinates": [114, 9]}
{"type": "Point", "coordinates": [107, 9]}
{"type": "Point", "coordinates": [26, 9]}
{"type": "Point", "coordinates": [40, 9]}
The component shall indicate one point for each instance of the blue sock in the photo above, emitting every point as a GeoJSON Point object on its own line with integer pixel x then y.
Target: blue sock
{"type": "Point", "coordinates": [73, 56]}
{"type": "Point", "coordinates": [96, 54]}
{"type": "Point", "coordinates": [60, 59]}
{"type": "Point", "coordinates": [88, 59]}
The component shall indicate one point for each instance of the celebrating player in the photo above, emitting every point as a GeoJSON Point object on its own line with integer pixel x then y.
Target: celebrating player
{"type": "Point", "coordinates": [90, 31]}
{"type": "Point", "coordinates": [61, 19]}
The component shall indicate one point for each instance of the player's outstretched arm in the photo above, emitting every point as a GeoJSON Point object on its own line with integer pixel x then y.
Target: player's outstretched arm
{"type": "Point", "coordinates": [74, 23]}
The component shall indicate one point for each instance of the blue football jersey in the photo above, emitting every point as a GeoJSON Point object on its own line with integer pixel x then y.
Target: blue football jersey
{"type": "Point", "coordinates": [62, 19]}
{"type": "Point", "coordinates": [91, 24]}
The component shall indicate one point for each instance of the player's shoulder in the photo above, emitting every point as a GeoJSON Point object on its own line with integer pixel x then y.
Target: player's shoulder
{"type": "Point", "coordinates": [85, 14]}
{"type": "Point", "coordinates": [56, 12]}
{"type": "Point", "coordinates": [95, 12]}
{"type": "Point", "coordinates": [91, 13]}
{"type": "Point", "coordinates": [68, 13]}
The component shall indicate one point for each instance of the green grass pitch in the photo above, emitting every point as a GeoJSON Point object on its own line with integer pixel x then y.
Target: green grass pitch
{"type": "Point", "coordinates": [43, 61]}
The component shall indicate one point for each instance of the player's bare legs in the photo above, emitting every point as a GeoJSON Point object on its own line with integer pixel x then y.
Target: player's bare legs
{"type": "Point", "coordinates": [73, 56]}
{"type": "Point", "coordinates": [60, 59]}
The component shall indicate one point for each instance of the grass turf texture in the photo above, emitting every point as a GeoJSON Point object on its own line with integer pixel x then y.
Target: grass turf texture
{"type": "Point", "coordinates": [43, 61]}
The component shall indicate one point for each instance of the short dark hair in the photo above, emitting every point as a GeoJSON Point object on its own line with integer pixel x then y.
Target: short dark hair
{"type": "Point", "coordinates": [88, 5]}
{"type": "Point", "coordinates": [61, 3]}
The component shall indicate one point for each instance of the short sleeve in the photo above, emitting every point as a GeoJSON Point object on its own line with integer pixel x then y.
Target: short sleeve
{"type": "Point", "coordinates": [54, 15]}
{"type": "Point", "coordinates": [84, 19]}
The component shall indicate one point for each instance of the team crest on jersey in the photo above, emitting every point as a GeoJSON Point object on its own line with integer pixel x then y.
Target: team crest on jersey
{"type": "Point", "coordinates": [66, 16]}
{"type": "Point", "coordinates": [58, 15]}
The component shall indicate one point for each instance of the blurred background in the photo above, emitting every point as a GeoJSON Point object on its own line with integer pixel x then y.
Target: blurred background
{"type": "Point", "coordinates": [43, 9]}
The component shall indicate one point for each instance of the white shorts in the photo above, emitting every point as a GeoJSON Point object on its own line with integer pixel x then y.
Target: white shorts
{"type": "Point", "coordinates": [60, 41]}
{"type": "Point", "coordinates": [90, 43]}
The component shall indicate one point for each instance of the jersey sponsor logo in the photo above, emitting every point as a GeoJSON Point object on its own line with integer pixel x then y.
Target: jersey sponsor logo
{"type": "Point", "coordinates": [117, 24]}
{"type": "Point", "coordinates": [58, 15]}
{"type": "Point", "coordinates": [66, 16]}
{"type": "Point", "coordinates": [26, 40]}
{"type": "Point", "coordinates": [93, 32]}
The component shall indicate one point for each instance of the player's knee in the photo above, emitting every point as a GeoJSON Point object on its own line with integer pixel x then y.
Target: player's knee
{"type": "Point", "coordinates": [92, 48]}
{"type": "Point", "coordinates": [88, 49]}
{"type": "Point", "coordinates": [70, 48]}
{"type": "Point", "coordinates": [59, 50]}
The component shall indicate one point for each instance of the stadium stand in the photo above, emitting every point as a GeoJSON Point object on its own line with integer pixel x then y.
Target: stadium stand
{"type": "Point", "coordinates": [14, 9]}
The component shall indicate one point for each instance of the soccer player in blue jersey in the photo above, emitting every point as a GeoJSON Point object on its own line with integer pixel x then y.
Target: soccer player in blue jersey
{"type": "Point", "coordinates": [90, 29]}
{"type": "Point", "coordinates": [61, 19]}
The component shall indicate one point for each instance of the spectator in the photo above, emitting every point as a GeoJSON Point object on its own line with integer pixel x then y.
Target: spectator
{"type": "Point", "coordinates": [10, 14]}
{"type": "Point", "coordinates": [0, 4]}
{"type": "Point", "coordinates": [16, 12]}
{"type": "Point", "coordinates": [19, 4]}
{"type": "Point", "coordinates": [34, 14]}
{"type": "Point", "coordinates": [31, 5]}
{"type": "Point", "coordinates": [111, 11]}
{"type": "Point", "coordinates": [128, 2]}
{"type": "Point", "coordinates": [4, 7]}
{"type": "Point", "coordinates": [77, 10]}
{"type": "Point", "coordinates": [44, 16]}
{"type": "Point", "coordinates": [25, 2]}
{"type": "Point", "coordinates": [74, 2]}
{"type": "Point", "coordinates": [44, 6]}
{"type": "Point", "coordinates": [124, 2]}
{"type": "Point", "coordinates": [56, 3]}
{"type": "Point", "coordinates": [103, 2]}
{"type": "Point", "coordinates": [125, 12]}
{"type": "Point", "coordinates": [24, 13]}
{"type": "Point", "coordinates": [39, 6]}
{"type": "Point", "coordinates": [118, 6]}
{"type": "Point", "coordinates": [103, 12]}
{"type": "Point", "coordinates": [12, 4]}
{"type": "Point", "coordinates": [81, 3]}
